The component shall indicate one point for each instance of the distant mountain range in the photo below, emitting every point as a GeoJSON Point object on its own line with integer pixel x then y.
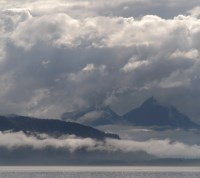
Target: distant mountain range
{"type": "Point", "coordinates": [51, 127]}
{"type": "Point", "coordinates": [93, 116]}
{"type": "Point", "coordinates": [150, 114]}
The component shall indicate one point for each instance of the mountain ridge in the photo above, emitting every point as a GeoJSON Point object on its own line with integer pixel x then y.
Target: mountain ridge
{"type": "Point", "coordinates": [52, 127]}
{"type": "Point", "coordinates": [150, 113]}
{"type": "Point", "coordinates": [93, 116]}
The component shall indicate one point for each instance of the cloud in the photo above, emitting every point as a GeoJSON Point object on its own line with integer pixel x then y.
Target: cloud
{"type": "Point", "coordinates": [134, 64]}
{"type": "Point", "coordinates": [90, 116]}
{"type": "Point", "coordinates": [159, 148]}
{"type": "Point", "coordinates": [195, 11]}
{"type": "Point", "coordinates": [66, 55]}
{"type": "Point", "coordinates": [17, 140]}
{"type": "Point", "coordinates": [66, 31]}
{"type": "Point", "coordinates": [192, 54]}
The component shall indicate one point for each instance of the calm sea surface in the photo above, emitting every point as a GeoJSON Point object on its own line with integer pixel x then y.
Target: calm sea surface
{"type": "Point", "coordinates": [99, 172]}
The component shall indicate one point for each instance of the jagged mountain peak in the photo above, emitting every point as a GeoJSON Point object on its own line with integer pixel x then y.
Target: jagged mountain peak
{"type": "Point", "coordinates": [94, 116]}
{"type": "Point", "coordinates": [153, 114]}
{"type": "Point", "coordinates": [152, 101]}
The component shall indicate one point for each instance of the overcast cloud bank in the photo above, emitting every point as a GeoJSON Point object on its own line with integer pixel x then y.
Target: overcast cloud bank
{"type": "Point", "coordinates": [66, 55]}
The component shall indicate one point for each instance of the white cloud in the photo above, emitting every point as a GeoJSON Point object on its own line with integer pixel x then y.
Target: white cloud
{"type": "Point", "coordinates": [17, 140]}
{"type": "Point", "coordinates": [134, 64]}
{"type": "Point", "coordinates": [90, 116]}
{"type": "Point", "coordinates": [64, 30]}
{"type": "Point", "coordinates": [192, 54]}
{"type": "Point", "coordinates": [87, 72]}
{"type": "Point", "coordinates": [195, 12]}
{"type": "Point", "coordinates": [159, 148]}
{"type": "Point", "coordinates": [89, 67]}
{"type": "Point", "coordinates": [60, 31]}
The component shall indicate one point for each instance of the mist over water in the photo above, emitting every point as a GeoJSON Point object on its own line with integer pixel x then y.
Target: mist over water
{"type": "Point", "coordinates": [99, 172]}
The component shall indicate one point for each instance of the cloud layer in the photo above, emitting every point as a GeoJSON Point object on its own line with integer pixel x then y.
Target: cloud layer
{"type": "Point", "coordinates": [66, 55]}
{"type": "Point", "coordinates": [159, 148]}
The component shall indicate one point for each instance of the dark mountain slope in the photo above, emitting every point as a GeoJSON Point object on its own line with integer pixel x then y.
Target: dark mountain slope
{"type": "Point", "coordinates": [51, 127]}
{"type": "Point", "coordinates": [151, 113]}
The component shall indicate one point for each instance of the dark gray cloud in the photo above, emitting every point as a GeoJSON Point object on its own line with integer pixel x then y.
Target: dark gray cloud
{"type": "Point", "coordinates": [66, 55]}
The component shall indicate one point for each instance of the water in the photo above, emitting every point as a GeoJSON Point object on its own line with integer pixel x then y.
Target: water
{"type": "Point", "coordinates": [99, 172]}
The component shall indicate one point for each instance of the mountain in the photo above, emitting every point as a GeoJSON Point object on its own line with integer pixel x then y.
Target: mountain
{"type": "Point", "coordinates": [51, 127]}
{"type": "Point", "coordinates": [93, 116]}
{"type": "Point", "coordinates": [153, 114]}
{"type": "Point", "coordinates": [150, 114]}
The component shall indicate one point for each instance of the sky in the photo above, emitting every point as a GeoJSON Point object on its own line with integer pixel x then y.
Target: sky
{"type": "Point", "coordinates": [65, 55]}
